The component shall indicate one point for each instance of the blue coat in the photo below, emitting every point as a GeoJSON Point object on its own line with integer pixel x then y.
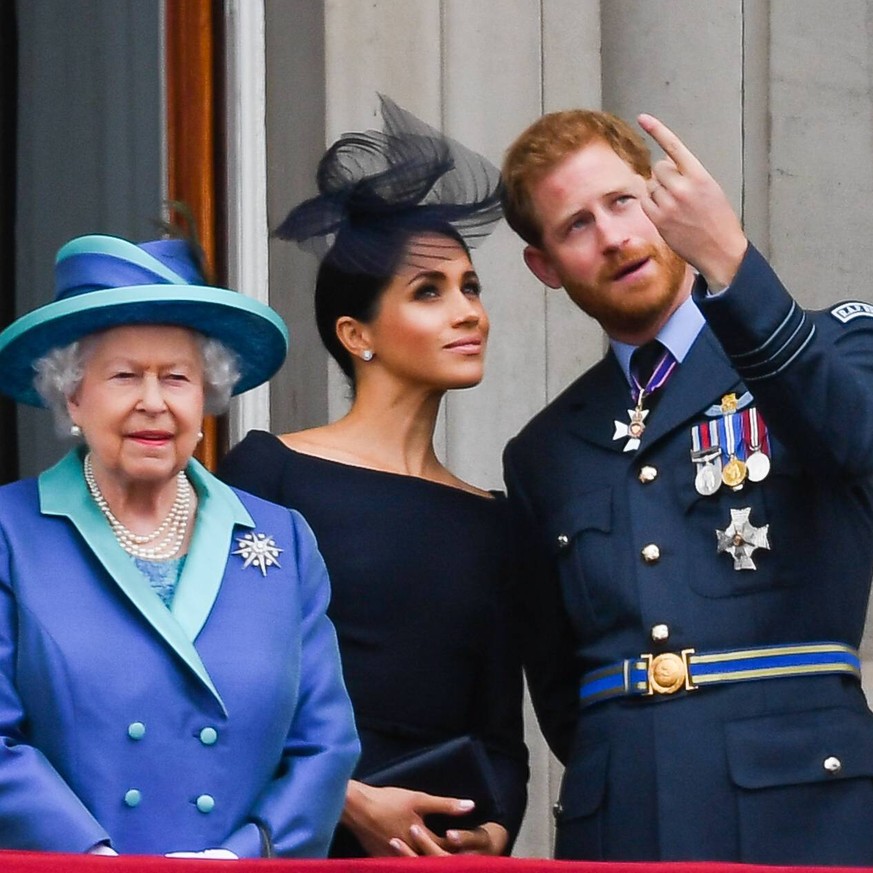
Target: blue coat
{"type": "Point", "coordinates": [733, 772]}
{"type": "Point", "coordinates": [223, 722]}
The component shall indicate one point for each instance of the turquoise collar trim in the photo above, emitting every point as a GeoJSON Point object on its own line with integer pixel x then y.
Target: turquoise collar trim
{"type": "Point", "coordinates": [219, 510]}
{"type": "Point", "coordinates": [62, 491]}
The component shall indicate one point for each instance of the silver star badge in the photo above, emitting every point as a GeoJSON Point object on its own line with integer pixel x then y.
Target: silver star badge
{"type": "Point", "coordinates": [740, 538]}
{"type": "Point", "coordinates": [258, 550]}
{"type": "Point", "coordinates": [633, 430]}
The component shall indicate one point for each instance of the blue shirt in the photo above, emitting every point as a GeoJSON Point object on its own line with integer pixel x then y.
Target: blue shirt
{"type": "Point", "coordinates": [677, 335]}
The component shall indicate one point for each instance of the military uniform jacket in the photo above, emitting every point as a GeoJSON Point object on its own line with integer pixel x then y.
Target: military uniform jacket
{"type": "Point", "coordinates": [223, 722]}
{"type": "Point", "coordinates": [732, 772]}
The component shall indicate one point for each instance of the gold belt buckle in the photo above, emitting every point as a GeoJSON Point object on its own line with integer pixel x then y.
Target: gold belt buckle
{"type": "Point", "coordinates": [668, 672]}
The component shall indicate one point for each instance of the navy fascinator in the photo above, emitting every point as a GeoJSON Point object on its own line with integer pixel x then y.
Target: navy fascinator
{"type": "Point", "coordinates": [379, 187]}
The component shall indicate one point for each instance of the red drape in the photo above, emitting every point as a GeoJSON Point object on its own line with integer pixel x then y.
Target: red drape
{"type": "Point", "coordinates": [46, 862]}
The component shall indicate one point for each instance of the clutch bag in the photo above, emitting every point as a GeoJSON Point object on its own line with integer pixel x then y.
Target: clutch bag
{"type": "Point", "coordinates": [455, 768]}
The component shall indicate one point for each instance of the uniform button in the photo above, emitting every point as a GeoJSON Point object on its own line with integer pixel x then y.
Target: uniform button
{"type": "Point", "coordinates": [205, 803]}
{"type": "Point", "coordinates": [832, 765]}
{"type": "Point", "coordinates": [136, 730]}
{"type": "Point", "coordinates": [648, 474]}
{"type": "Point", "coordinates": [208, 736]}
{"type": "Point", "coordinates": [651, 553]}
{"type": "Point", "coordinates": [132, 797]}
{"type": "Point", "coordinates": [660, 632]}
{"type": "Point", "coordinates": [557, 809]}
{"type": "Point", "coordinates": [563, 541]}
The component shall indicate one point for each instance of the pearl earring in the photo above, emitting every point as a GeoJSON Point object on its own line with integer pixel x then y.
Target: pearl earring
{"type": "Point", "coordinates": [75, 431]}
{"type": "Point", "coordinates": [199, 435]}
{"type": "Point", "coordinates": [367, 354]}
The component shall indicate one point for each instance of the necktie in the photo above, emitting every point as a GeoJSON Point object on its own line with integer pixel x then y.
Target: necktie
{"type": "Point", "coordinates": [651, 366]}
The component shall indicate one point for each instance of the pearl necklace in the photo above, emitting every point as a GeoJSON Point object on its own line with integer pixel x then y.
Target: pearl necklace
{"type": "Point", "coordinates": [162, 543]}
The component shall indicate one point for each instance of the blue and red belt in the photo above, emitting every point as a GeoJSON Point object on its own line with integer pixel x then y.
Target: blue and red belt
{"type": "Point", "coordinates": [666, 673]}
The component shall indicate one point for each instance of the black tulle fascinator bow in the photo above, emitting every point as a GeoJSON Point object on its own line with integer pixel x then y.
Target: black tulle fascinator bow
{"type": "Point", "coordinates": [378, 187]}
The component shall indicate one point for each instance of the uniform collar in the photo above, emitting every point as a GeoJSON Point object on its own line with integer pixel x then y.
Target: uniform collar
{"type": "Point", "coordinates": [63, 492]}
{"type": "Point", "coordinates": [677, 335]}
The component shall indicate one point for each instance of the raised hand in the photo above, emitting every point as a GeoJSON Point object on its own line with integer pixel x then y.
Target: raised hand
{"type": "Point", "coordinates": [691, 211]}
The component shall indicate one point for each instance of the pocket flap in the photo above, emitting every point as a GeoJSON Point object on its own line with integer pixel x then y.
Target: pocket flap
{"type": "Point", "coordinates": [584, 783]}
{"type": "Point", "coordinates": [589, 511]}
{"type": "Point", "coordinates": [802, 747]}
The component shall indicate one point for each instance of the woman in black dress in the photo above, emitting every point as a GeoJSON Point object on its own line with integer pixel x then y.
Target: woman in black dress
{"type": "Point", "coordinates": [420, 562]}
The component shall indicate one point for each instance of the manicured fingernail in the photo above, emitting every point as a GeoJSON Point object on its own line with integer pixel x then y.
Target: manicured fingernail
{"type": "Point", "coordinates": [395, 844]}
{"type": "Point", "coordinates": [453, 836]}
{"type": "Point", "coordinates": [465, 804]}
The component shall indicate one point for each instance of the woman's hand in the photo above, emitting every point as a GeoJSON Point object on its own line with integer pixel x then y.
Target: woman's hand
{"type": "Point", "coordinates": [380, 816]}
{"type": "Point", "coordinates": [487, 839]}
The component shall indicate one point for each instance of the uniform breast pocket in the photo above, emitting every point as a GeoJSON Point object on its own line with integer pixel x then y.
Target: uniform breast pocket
{"type": "Point", "coordinates": [758, 523]}
{"type": "Point", "coordinates": [578, 533]}
{"type": "Point", "coordinates": [805, 786]}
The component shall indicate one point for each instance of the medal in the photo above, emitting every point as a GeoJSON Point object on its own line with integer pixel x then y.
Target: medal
{"type": "Point", "coordinates": [757, 466]}
{"type": "Point", "coordinates": [706, 455]}
{"type": "Point", "coordinates": [733, 473]}
{"type": "Point", "coordinates": [758, 462]}
{"type": "Point", "coordinates": [707, 481]}
{"type": "Point", "coordinates": [708, 477]}
{"type": "Point", "coordinates": [740, 539]}
{"type": "Point", "coordinates": [633, 430]}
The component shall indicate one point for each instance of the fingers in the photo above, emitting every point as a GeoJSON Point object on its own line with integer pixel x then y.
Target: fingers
{"type": "Point", "coordinates": [476, 841]}
{"type": "Point", "coordinates": [421, 842]}
{"type": "Point", "coordinates": [426, 804]}
{"type": "Point", "coordinates": [402, 848]}
{"type": "Point", "coordinates": [683, 159]}
{"type": "Point", "coordinates": [691, 211]}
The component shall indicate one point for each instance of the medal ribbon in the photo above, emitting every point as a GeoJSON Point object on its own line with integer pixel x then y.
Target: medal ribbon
{"type": "Point", "coordinates": [712, 434]}
{"type": "Point", "coordinates": [660, 375]}
{"type": "Point", "coordinates": [756, 430]}
{"type": "Point", "coordinates": [704, 437]}
{"type": "Point", "coordinates": [731, 433]}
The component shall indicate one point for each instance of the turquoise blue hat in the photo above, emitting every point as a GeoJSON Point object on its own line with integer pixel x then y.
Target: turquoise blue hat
{"type": "Point", "coordinates": [105, 281]}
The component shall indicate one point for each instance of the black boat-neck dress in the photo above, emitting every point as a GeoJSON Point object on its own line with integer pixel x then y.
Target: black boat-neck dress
{"type": "Point", "coordinates": [421, 577]}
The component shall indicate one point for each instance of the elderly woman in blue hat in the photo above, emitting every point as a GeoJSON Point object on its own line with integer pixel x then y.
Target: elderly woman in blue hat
{"type": "Point", "coordinates": [169, 679]}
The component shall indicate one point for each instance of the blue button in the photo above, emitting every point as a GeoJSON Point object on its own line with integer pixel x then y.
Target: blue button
{"type": "Point", "coordinates": [205, 803]}
{"type": "Point", "coordinates": [208, 736]}
{"type": "Point", "coordinates": [132, 797]}
{"type": "Point", "coordinates": [136, 730]}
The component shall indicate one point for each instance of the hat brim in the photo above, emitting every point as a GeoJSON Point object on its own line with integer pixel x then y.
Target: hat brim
{"type": "Point", "coordinates": [252, 330]}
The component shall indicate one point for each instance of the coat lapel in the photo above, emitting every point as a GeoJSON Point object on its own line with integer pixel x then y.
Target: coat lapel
{"type": "Point", "coordinates": [219, 511]}
{"type": "Point", "coordinates": [601, 397]}
{"type": "Point", "coordinates": [63, 492]}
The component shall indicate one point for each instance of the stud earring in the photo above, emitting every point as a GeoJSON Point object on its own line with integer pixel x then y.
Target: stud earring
{"type": "Point", "coordinates": [367, 354]}
{"type": "Point", "coordinates": [75, 431]}
{"type": "Point", "coordinates": [199, 435]}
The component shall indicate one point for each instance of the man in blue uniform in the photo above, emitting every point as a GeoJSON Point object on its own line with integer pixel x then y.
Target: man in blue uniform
{"type": "Point", "coordinates": [698, 518]}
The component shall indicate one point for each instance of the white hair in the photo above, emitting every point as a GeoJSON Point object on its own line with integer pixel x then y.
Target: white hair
{"type": "Point", "coordinates": [60, 371]}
